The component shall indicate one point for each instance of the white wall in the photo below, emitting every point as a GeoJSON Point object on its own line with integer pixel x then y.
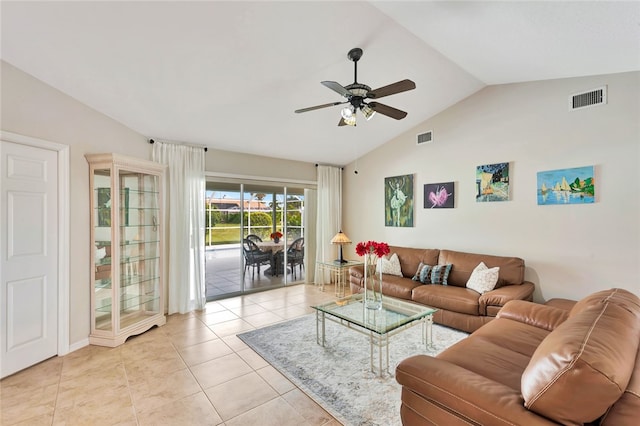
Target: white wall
{"type": "Point", "coordinates": [569, 250]}
{"type": "Point", "coordinates": [32, 108]}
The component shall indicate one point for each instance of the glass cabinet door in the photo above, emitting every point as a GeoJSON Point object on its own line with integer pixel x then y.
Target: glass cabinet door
{"type": "Point", "coordinates": [102, 246]}
{"type": "Point", "coordinates": [139, 247]}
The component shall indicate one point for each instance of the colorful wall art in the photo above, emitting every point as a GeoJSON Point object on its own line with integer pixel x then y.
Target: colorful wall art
{"type": "Point", "coordinates": [398, 201]}
{"type": "Point", "coordinates": [439, 195]}
{"type": "Point", "coordinates": [492, 182]}
{"type": "Point", "coordinates": [566, 186]}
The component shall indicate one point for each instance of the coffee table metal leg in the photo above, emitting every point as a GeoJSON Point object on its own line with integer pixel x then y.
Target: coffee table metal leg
{"type": "Point", "coordinates": [429, 326]}
{"type": "Point", "coordinates": [380, 341]}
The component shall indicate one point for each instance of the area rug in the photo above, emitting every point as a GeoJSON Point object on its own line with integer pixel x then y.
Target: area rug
{"type": "Point", "coordinates": [338, 376]}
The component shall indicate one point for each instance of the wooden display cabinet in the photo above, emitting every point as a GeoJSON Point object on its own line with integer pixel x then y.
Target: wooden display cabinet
{"type": "Point", "coordinates": [127, 296]}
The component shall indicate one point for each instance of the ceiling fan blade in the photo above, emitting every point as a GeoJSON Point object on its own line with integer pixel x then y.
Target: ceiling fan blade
{"type": "Point", "coordinates": [387, 110]}
{"type": "Point", "coordinates": [391, 89]}
{"type": "Point", "coordinates": [337, 87]}
{"type": "Point", "coordinates": [319, 106]}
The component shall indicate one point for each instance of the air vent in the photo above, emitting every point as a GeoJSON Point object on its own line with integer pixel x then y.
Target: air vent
{"type": "Point", "coordinates": [588, 99]}
{"type": "Point", "coordinates": [426, 137]}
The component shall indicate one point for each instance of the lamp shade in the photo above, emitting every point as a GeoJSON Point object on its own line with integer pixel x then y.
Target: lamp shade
{"type": "Point", "coordinates": [340, 238]}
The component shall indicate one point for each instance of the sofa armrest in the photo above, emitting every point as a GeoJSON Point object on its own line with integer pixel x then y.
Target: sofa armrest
{"type": "Point", "coordinates": [463, 393]}
{"type": "Point", "coordinates": [356, 271]}
{"type": "Point", "coordinates": [541, 316]}
{"type": "Point", "coordinates": [500, 296]}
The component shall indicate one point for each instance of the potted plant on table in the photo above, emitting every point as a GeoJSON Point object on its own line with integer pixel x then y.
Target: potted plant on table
{"type": "Point", "coordinates": [275, 236]}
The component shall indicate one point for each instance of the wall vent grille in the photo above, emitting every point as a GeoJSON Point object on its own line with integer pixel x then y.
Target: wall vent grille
{"type": "Point", "coordinates": [426, 137]}
{"type": "Point", "coordinates": [588, 99]}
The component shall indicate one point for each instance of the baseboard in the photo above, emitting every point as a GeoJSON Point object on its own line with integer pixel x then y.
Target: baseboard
{"type": "Point", "coordinates": [78, 345]}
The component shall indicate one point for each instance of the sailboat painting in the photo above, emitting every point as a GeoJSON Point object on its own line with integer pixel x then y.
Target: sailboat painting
{"type": "Point", "coordinates": [566, 186]}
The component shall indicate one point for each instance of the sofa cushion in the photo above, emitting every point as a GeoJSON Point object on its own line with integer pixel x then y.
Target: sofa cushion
{"type": "Point", "coordinates": [582, 367]}
{"type": "Point", "coordinates": [410, 258]}
{"type": "Point", "coordinates": [483, 279]}
{"type": "Point", "coordinates": [399, 287]}
{"type": "Point", "coordinates": [390, 265]}
{"type": "Point", "coordinates": [455, 299]}
{"type": "Point", "coordinates": [511, 268]}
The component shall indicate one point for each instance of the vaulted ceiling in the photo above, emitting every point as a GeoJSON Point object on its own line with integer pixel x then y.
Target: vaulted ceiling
{"type": "Point", "coordinates": [229, 75]}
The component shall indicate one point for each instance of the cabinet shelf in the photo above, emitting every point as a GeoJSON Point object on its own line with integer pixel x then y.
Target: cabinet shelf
{"type": "Point", "coordinates": [126, 237]}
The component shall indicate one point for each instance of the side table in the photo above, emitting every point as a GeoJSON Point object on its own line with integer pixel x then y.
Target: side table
{"type": "Point", "coordinates": [337, 273]}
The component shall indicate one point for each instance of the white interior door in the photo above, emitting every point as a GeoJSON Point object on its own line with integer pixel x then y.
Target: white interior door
{"type": "Point", "coordinates": [28, 256]}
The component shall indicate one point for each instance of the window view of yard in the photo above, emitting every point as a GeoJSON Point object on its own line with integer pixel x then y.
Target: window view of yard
{"type": "Point", "coordinates": [263, 215]}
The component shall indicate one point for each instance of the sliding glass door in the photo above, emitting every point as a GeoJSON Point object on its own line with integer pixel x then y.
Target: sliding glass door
{"type": "Point", "coordinates": [254, 238]}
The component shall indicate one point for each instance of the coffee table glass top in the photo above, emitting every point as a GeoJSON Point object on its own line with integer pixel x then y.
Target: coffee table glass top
{"type": "Point", "coordinates": [394, 313]}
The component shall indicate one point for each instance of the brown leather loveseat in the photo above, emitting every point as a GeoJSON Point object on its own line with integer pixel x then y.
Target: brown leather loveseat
{"type": "Point", "coordinates": [534, 365]}
{"type": "Point", "coordinates": [458, 306]}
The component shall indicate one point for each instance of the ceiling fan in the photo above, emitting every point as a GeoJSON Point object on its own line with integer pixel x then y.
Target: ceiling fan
{"type": "Point", "coordinates": [356, 94]}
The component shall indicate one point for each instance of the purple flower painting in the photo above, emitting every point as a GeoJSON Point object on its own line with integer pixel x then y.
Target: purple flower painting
{"type": "Point", "coordinates": [439, 195]}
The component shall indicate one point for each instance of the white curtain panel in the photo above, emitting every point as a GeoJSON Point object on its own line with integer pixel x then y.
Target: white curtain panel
{"type": "Point", "coordinates": [185, 283]}
{"type": "Point", "coordinates": [329, 218]}
{"type": "Point", "coordinates": [310, 219]}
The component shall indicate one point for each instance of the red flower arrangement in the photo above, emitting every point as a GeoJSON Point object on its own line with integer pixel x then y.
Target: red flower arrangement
{"type": "Point", "coordinates": [372, 247]}
{"type": "Point", "coordinates": [276, 235]}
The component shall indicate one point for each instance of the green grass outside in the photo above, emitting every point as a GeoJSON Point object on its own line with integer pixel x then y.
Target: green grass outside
{"type": "Point", "coordinates": [224, 233]}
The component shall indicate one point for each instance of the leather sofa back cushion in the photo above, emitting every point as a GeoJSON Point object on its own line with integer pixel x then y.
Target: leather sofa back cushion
{"type": "Point", "coordinates": [511, 268]}
{"type": "Point", "coordinates": [410, 258]}
{"type": "Point", "coordinates": [582, 367]}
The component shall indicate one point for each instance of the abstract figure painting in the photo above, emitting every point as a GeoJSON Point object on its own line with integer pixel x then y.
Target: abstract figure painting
{"type": "Point", "coordinates": [398, 201]}
{"type": "Point", "coordinates": [566, 186]}
{"type": "Point", "coordinates": [439, 195]}
{"type": "Point", "coordinates": [492, 182]}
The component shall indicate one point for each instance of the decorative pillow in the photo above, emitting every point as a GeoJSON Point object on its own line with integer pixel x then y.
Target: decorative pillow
{"type": "Point", "coordinates": [440, 274]}
{"type": "Point", "coordinates": [391, 265]}
{"type": "Point", "coordinates": [421, 267]}
{"type": "Point", "coordinates": [483, 279]}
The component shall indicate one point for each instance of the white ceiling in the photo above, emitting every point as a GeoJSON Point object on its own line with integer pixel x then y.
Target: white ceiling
{"type": "Point", "coordinates": [230, 74]}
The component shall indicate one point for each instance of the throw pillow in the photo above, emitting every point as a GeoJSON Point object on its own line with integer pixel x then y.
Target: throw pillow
{"type": "Point", "coordinates": [391, 265]}
{"type": "Point", "coordinates": [440, 273]}
{"type": "Point", "coordinates": [423, 273]}
{"type": "Point", "coordinates": [483, 279]}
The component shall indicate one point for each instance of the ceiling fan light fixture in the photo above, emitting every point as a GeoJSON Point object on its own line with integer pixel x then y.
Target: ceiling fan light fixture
{"type": "Point", "coordinates": [348, 112]}
{"type": "Point", "coordinates": [367, 111]}
{"type": "Point", "coordinates": [351, 121]}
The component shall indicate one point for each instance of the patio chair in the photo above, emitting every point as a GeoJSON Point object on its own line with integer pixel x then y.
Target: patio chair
{"type": "Point", "coordinates": [254, 238]}
{"type": "Point", "coordinates": [295, 257]}
{"type": "Point", "coordinates": [254, 257]}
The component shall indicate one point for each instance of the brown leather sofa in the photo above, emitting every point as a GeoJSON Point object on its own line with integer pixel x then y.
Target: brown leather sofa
{"type": "Point", "coordinates": [458, 306]}
{"type": "Point", "coordinates": [534, 365]}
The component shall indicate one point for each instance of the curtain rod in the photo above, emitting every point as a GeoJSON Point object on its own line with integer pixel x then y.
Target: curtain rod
{"type": "Point", "coordinates": [341, 168]}
{"type": "Point", "coordinates": [151, 141]}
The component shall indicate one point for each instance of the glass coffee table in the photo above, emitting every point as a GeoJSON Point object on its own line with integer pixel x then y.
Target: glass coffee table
{"type": "Point", "coordinates": [379, 324]}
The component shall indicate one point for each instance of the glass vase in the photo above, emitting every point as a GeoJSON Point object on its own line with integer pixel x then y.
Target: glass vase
{"type": "Point", "coordinates": [372, 282]}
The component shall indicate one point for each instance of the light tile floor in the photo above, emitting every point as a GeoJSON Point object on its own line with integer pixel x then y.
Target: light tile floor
{"type": "Point", "coordinates": [192, 371]}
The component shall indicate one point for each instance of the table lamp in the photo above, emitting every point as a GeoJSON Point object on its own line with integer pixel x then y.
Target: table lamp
{"type": "Point", "coordinates": [340, 239]}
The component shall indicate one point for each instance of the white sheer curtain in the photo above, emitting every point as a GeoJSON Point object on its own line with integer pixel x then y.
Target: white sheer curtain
{"type": "Point", "coordinates": [329, 210]}
{"type": "Point", "coordinates": [186, 285]}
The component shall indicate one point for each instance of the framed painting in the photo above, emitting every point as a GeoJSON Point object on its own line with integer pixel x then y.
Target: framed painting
{"type": "Point", "coordinates": [439, 195]}
{"type": "Point", "coordinates": [398, 201]}
{"type": "Point", "coordinates": [492, 182]}
{"type": "Point", "coordinates": [566, 186]}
